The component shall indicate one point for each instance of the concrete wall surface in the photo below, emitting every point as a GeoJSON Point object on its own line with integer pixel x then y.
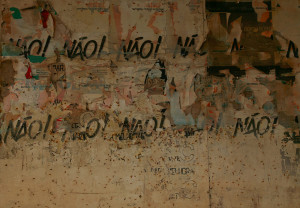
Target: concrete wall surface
{"type": "Point", "coordinates": [150, 103]}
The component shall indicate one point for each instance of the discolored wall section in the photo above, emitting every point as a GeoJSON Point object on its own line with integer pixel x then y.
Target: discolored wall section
{"type": "Point", "coordinates": [150, 103]}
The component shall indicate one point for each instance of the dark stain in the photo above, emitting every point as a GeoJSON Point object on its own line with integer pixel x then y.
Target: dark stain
{"type": "Point", "coordinates": [7, 77]}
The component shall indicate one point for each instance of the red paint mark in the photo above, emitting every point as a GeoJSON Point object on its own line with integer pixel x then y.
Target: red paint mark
{"type": "Point", "coordinates": [45, 15]}
{"type": "Point", "coordinates": [58, 122]}
{"type": "Point", "coordinates": [28, 74]}
{"type": "Point", "coordinates": [264, 17]}
{"type": "Point", "coordinates": [208, 104]}
{"type": "Point", "coordinates": [117, 17]}
{"type": "Point", "coordinates": [173, 7]}
{"type": "Point", "coordinates": [6, 16]}
{"type": "Point", "coordinates": [151, 21]}
{"type": "Point", "coordinates": [267, 34]}
{"type": "Point", "coordinates": [248, 67]}
{"type": "Point", "coordinates": [215, 89]}
{"type": "Point", "coordinates": [130, 31]}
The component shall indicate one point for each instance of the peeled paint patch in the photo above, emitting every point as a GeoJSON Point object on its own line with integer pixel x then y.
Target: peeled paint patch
{"type": "Point", "coordinates": [10, 50]}
{"type": "Point", "coordinates": [7, 77]}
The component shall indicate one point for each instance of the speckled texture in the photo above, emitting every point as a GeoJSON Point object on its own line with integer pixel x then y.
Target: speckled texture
{"type": "Point", "coordinates": [150, 103]}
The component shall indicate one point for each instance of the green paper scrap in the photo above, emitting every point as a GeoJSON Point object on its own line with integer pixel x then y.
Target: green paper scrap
{"type": "Point", "coordinates": [36, 59]}
{"type": "Point", "coordinates": [16, 13]}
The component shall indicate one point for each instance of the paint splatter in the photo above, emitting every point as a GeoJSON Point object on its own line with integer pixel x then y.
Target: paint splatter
{"type": "Point", "coordinates": [45, 16]}
{"type": "Point", "coordinates": [28, 74]}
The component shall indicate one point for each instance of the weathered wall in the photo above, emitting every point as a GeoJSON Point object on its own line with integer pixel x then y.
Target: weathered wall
{"type": "Point", "coordinates": [150, 103]}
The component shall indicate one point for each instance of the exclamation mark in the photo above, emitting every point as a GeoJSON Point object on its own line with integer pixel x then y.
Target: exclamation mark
{"type": "Point", "coordinates": [274, 123]}
{"type": "Point", "coordinates": [157, 46]}
{"type": "Point", "coordinates": [47, 126]}
{"type": "Point", "coordinates": [46, 45]}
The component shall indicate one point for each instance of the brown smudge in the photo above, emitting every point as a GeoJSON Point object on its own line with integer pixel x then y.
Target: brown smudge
{"type": "Point", "coordinates": [7, 77]}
